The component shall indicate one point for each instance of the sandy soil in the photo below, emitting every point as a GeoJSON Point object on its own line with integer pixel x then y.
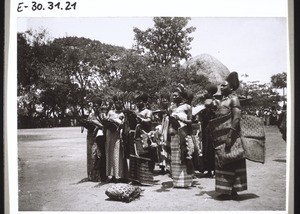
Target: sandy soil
{"type": "Point", "coordinates": [53, 161]}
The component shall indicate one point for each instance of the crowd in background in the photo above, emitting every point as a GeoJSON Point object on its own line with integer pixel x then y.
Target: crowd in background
{"type": "Point", "coordinates": [270, 115]}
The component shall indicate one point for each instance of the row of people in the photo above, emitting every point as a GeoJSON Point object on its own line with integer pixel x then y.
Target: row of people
{"type": "Point", "coordinates": [130, 146]}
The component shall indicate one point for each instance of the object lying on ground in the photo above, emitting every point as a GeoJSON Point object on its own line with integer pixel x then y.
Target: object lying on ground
{"type": "Point", "coordinates": [123, 192]}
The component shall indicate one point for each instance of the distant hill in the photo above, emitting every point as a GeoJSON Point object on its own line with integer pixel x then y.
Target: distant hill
{"type": "Point", "coordinates": [210, 67]}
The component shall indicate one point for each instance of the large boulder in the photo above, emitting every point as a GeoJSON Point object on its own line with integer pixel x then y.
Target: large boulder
{"type": "Point", "coordinates": [210, 67]}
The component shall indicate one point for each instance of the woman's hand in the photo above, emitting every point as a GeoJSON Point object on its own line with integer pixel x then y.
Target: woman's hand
{"type": "Point", "coordinates": [229, 139]}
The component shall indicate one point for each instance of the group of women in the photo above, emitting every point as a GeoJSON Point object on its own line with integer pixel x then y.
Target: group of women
{"type": "Point", "coordinates": [173, 140]}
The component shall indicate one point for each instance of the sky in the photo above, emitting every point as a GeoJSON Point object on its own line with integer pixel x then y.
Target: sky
{"type": "Point", "coordinates": [253, 46]}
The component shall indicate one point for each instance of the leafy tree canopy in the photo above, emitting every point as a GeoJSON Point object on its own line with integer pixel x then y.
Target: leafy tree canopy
{"type": "Point", "coordinates": [167, 42]}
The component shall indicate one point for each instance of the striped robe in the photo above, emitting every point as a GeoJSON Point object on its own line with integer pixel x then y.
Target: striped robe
{"type": "Point", "coordinates": [232, 176]}
{"type": "Point", "coordinates": [179, 170]}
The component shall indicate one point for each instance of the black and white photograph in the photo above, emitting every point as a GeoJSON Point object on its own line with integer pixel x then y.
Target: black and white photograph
{"type": "Point", "coordinates": [152, 113]}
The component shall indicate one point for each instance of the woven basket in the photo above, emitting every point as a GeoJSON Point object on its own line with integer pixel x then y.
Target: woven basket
{"type": "Point", "coordinates": [219, 129]}
{"type": "Point", "coordinates": [252, 127]}
{"type": "Point", "coordinates": [253, 137]}
{"type": "Point", "coordinates": [139, 170]}
{"type": "Point", "coordinates": [254, 149]}
{"type": "Point", "coordinates": [234, 153]}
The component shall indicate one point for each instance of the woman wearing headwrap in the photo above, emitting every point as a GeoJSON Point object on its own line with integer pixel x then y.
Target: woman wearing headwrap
{"type": "Point", "coordinates": [231, 177]}
{"type": "Point", "coordinates": [179, 128]}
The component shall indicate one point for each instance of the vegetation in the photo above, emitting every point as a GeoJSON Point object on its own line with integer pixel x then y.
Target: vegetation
{"type": "Point", "coordinates": [58, 78]}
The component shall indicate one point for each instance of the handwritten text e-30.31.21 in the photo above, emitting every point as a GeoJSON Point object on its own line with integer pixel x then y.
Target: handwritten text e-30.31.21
{"type": "Point", "coordinates": [39, 6]}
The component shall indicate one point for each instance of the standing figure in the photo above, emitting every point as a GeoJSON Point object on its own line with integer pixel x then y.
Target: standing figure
{"type": "Point", "coordinates": [282, 122]}
{"type": "Point", "coordinates": [179, 127]}
{"type": "Point", "coordinates": [165, 147]}
{"type": "Point", "coordinates": [142, 161]}
{"type": "Point", "coordinates": [205, 116]}
{"type": "Point", "coordinates": [116, 164]}
{"type": "Point", "coordinates": [231, 177]}
{"type": "Point", "coordinates": [145, 118]}
{"type": "Point", "coordinates": [95, 143]}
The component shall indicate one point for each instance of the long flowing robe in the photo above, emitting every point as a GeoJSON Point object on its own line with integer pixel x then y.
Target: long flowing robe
{"type": "Point", "coordinates": [232, 176]}
{"type": "Point", "coordinates": [181, 178]}
{"type": "Point", "coordinates": [116, 164]}
{"type": "Point", "coordinates": [208, 150]}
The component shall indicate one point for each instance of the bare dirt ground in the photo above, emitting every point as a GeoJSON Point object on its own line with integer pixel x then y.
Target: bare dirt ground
{"type": "Point", "coordinates": [53, 161]}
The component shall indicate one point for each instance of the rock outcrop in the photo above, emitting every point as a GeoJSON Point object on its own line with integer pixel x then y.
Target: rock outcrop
{"type": "Point", "coordinates": [210, 67]}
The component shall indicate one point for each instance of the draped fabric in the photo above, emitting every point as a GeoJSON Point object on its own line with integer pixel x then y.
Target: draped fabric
{"type": "Point", "coordinates": [166, 140]}
{"type": "Point", "coordinates": [208, 149]}
{"type": "Point", "coordinates": [116, 164]}
{"type": "Point", "coordinates": [231, 176]}
{"type": "Point", "coordinates": [179, 171]}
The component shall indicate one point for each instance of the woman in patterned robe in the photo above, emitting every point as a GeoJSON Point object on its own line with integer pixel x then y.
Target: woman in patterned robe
{"type": "Point", "coordinates": [182, 112]}
{"type": "Point", "coordinates": [232, 177]}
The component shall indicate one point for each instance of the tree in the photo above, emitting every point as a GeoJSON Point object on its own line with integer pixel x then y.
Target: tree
{"type": "Point", "coordinates": [279, 81]}
{"type": "Point", "coordinates": [80, 68]}
{"type": "Point", "coordinates": [31, 58]}
{"type": "Point", "coordinates": [167, 42]}
{"type": "Point", "coordinates": [32, 54]}
{"type": "Point", "coordinates": [262, 95]}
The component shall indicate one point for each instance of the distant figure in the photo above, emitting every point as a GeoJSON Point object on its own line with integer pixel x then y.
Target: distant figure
{"type": "Point", "coordinates": [282, 122]}
{"type": "Point", "coordinates": [273, 116]}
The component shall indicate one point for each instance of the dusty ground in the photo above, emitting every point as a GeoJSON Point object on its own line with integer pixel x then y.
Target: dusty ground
{"type": "Point", "coordinates": [53, 161]}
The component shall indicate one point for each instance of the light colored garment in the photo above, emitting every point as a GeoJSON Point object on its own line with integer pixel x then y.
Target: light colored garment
{"type": "Point", "coordinates": [179, 170]}
{"type": "Point", "coordinates": [116, 164]}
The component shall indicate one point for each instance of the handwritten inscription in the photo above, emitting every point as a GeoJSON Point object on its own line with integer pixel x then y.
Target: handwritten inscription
{"type": "Point", "coordinates": [39, 6]}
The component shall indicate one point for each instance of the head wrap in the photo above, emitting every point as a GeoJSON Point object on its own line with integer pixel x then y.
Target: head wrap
{"type": "Point", "coordinates": [233, 80]}
{"type": "Point", "coordinates": [212, 89]}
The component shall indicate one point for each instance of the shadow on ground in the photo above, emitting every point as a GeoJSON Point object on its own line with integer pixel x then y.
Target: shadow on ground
{"type": "Point", "coordinates": [216, 196]}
